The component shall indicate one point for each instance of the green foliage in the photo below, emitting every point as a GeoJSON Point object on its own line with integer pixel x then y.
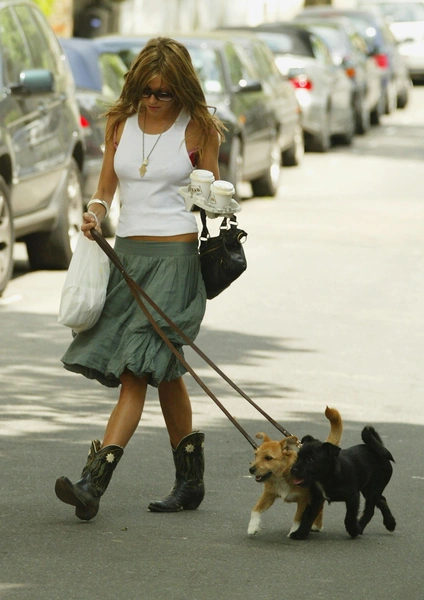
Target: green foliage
{"type": "Point", "coordinates": [46, 6]}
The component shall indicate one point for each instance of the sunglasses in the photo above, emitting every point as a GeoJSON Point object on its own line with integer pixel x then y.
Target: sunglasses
{"type": "Point", "coordinates": [159, 95]}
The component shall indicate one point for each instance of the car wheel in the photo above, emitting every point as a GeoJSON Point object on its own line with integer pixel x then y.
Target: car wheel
{"type": "Point", "coordinates": [292, 157]}
{"type": "Point", "coordinates": [267, 184]}
{"type": "Point", "coordinates": [346, 138]}
{"type": "Point", "coordinates": [403, 98]}
{"type": "Point", "coordinates": [235, 166]}
{"type": "Point", "coordinates": [53, 249]}
{"type": "Point", "coordinates": [378, 111]}
{"type": "Point", "coordinates": [7, 237]}
{"type": "Point", "coordinates": [390, 100]}
{"type": "Point", "coordinates": [362, 116]}
{"type": "Point", "coordinates": [321, 142]}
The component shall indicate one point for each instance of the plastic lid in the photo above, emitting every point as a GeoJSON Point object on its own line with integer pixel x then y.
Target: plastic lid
{"type": "Point", "coordinates": [202, 175]}
{"type": "Point", "coordinates": [222, 187]}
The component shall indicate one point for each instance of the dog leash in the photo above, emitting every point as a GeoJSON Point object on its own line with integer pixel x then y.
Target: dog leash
{"type": "Point", "coordinates": [137, 291]}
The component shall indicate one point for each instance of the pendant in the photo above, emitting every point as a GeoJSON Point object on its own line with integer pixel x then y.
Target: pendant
{"type": "Point", "coordinates": [142, 170]}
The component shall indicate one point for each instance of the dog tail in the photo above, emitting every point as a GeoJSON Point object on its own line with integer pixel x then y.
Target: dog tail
{"type": "Point", "coordinates": [374, 442]}
{"type": "Point", "coordinates": [336, 423]}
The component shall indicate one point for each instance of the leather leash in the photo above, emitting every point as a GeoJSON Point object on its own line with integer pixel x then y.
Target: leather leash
{"type": "Point", "coordinates": [137, 291]}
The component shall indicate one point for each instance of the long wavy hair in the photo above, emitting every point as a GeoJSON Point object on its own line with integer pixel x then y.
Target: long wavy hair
{"type": "Point", "coordinates": [171, 61]}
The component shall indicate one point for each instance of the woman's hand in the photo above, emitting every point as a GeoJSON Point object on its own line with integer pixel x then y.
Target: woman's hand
{"type": "Point", "coordinates": [90, 221]}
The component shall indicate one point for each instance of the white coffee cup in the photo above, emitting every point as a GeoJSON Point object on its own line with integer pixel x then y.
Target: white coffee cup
{"type": "Point", "coordinates": [221, 193]}
{"type": "Point", "coordinates": [200, 183]}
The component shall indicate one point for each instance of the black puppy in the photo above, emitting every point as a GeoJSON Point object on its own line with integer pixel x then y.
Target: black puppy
{"type": "Point", "coordinates": [341, 475]}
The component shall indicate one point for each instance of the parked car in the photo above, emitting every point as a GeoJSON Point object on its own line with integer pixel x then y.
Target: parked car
{"type": "Point", "coordinates": [382, 46]}
{"type": "Point", "coordinates": [251, 151]}
{"type": "Point", "coordinates": [349, 50]}
{"type": "Point", "coordinates": [42, 147]}
{"type": "Point", "coordinates": [406, 21]}
{"type": "Point", "coordinates": [324, 91]}
{"type": "Point", "coordinates": [99, 78]}
{"type": "Point", "coordinates": [280, 89]}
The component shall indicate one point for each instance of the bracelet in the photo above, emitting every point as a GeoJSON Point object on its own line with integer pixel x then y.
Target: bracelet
{"type": "Point", "coordinates": [102, 202]}
{"type": "Point", "coordinates": [93, 215]}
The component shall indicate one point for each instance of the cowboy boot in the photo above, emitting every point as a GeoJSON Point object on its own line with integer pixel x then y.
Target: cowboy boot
{"type": "Point", "coordinates": [85, 494]}
{"type": "Point", "coordinates": [188, 490]}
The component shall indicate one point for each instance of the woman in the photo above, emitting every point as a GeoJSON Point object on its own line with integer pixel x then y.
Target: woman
{"type": "Point", "coordinates": [159, 129]}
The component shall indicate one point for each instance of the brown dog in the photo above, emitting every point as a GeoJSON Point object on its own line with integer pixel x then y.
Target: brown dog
{"type": "Point", "coordinates": [272, 465]}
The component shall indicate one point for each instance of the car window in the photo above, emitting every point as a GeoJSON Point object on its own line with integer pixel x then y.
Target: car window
{"type": "Point", "coordinates": [42, 56]}
{"type": "Point", "coordinates": [263, 66]}
{"type": "Point", "coordinates": [287, 43]}
{"type": "Point", "coordinates": [358, 42]}
{"type": "Point", "coordinates": [321, 51]}
{"type": "Point", "coordinates": [335, 40]}
{"type": "Point", "coordinates": [113, 71]}
{"type": "Point", "coordinates": [208, 67]}
{"type": "Point", "coordinates": [15, 52]}
{"type": "Point", "coordinates": [239, 68]}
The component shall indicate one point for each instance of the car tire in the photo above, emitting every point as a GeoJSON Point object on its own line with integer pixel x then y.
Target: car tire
{"type": "Point", "coordinates": [362, 116]}
{"type": "Point", "coordinates": [390, 100]}
{"type": "Point", "coordinates": [267, 184]}
{"type": "Point", "coordinates": [346, 138]}
{"type": "Point", "coordinates": [7, 236]}
{"type": "Point", "coordinates": [235, 166]}
{"type": "Point", "coordinates": [53, 249]}
{"type": "Point", "coordinates": [403, 98]}
{"type": "Point", "coordinates": [378, 111]}
{"type": "Point", "coordinates": [292, 157]}
{"type": "Point", "coordinates": [321, 142]}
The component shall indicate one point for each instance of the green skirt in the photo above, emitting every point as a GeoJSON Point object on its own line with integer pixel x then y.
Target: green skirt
{"type": "Point", "coordinates": [123, 338]}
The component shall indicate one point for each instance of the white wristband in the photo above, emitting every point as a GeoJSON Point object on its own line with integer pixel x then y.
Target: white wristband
{"type": "Point", "coordinates": [98, 201]}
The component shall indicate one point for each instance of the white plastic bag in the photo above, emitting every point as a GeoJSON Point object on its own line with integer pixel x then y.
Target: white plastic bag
{"type": "Point", "coordinates": [84, 291]}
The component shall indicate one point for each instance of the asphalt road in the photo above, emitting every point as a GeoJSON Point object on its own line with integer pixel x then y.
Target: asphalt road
{"type": "Point", "coordinates": [330, 311]}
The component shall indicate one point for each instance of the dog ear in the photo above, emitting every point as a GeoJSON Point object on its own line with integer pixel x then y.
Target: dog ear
{"type": "Point", "coordinates": [308, 438]}
{"type": "Point", "coordinates": [290, 444]}
{"type": "Point", "coordinates": [331, 450]}
{"type": "Point", "coordinates": [263, 436]}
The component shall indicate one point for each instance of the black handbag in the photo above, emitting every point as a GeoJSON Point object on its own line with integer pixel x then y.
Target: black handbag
{"type": "Point", "coordinates": [222, 258]}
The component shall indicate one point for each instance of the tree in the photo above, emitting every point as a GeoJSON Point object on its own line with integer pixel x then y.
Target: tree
{"type": "Point", "coordinates": [46, 6]}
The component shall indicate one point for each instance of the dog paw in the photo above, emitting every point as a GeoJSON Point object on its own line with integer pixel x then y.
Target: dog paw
{"type": "Point", "coordinates": [354, 530]}
{"type": "Point", "coordinates": [254, 523]}
{"type": "Point", "coordinates": [390, 524]}
{"type": "Point", "coordinates": [296, 535]}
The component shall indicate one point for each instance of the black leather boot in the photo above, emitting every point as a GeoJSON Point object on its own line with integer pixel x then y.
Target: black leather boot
{"type": "Point", "coordinates": [189, 490]}
{"type": "Point", "coordinates": [85, 494]}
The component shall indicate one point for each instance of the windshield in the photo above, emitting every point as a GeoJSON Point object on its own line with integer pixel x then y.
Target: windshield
{"type": "Point", "coordinates": [208, 67]}
{"type": "Point", "coordinates": [286, 43]}
{"type": "Point", "coordinates": [205, 60]}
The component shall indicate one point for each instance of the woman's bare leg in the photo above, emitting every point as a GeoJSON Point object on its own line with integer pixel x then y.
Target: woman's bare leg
{"type": "Point", "coordinates": [176, 409]}
{"type": "Point", "coordinates": [127, 413]}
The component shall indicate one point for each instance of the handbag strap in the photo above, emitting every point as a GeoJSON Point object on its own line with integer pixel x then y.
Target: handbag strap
{"type": "Point", "coordinates": [137, 291]}
{"type": "Point", "coordinates": [205, 231]}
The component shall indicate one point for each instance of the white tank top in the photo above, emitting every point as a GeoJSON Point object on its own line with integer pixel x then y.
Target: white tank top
{"type": "Point", "coordinates": [151, 205]}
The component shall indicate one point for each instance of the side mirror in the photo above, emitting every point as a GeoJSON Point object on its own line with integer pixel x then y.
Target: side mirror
{"type": "Point", "coordinates": [248, 86]}
{"type": "Point", "coordinates": [34, 81]}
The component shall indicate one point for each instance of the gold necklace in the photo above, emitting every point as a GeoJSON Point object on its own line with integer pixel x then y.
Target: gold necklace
{"type": "Point", "coordinates": [142, 170]}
